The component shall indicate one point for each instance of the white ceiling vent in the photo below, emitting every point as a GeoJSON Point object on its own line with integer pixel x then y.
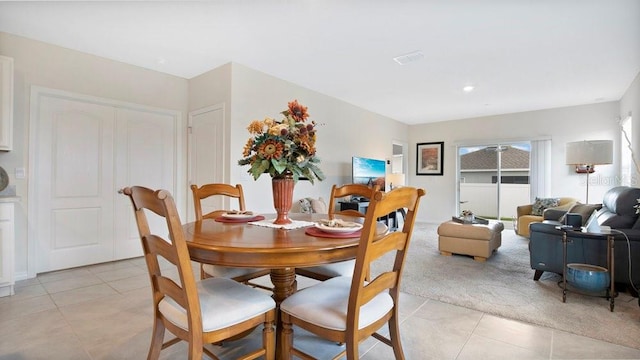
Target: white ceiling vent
{"type": "Point", "coordinates": [410, 57]}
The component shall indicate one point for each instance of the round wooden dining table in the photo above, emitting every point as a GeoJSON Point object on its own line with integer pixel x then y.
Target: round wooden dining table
{"type": "Point", "coordinates": [247, 245]}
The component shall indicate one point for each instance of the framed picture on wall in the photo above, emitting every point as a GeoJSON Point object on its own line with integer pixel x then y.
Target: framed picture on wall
{"type": "Point", "coordinates": [429, 158]}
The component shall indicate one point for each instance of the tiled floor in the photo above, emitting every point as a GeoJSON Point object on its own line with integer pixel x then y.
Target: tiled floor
{"type": "Point", "coordinates": [104, 312]}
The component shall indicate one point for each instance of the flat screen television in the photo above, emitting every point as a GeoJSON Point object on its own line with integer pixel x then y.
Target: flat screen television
{"type": "Point", "coordinates": [368, 171]}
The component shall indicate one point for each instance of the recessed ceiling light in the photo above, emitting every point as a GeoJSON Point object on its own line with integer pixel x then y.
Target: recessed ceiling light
{"type": "Point", "coordinates": [410, 57]}
{"type": "Point", "coordinates": [468, 88]}
{"type": "Point", "coordinates": [161, 61]}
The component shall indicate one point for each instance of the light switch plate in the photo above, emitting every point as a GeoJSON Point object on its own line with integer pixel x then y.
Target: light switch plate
{"type": "Point", "coordinates": [20, 173]}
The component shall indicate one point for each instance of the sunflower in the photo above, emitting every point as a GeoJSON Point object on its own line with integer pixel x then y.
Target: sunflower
{"type": "Point", "coordinates": [270, 149]}
{"type": "Point", "coordinates": [297, 111]}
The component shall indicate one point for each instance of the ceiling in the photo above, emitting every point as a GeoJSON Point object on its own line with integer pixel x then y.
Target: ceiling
{"type": "Point", "coordinates": [520, 55]}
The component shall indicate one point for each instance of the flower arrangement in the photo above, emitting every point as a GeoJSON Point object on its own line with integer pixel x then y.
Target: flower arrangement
{"type": "Point", "coordinates": [279, 147]}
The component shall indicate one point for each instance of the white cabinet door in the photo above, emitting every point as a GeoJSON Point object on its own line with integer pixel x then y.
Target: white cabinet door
{"type": "Point", "coordinates": [85, 151]}
{"type": "Point", "coordinates": [74, 176]}
{"type": "Point", "coordinates": [6, 249]}
{"type": "Point", "coordinates": [206, 154]}
{"type": "Point", "coordinates": [6, 103]}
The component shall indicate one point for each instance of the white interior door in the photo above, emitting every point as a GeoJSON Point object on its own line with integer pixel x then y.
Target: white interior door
{"type": "Point", "coordinates": [84, 152]}
{"type": "Point", "coordinates": [145, 156]}
{"type": "Point", "coordinates": [206, 154]}
{"type": "Point", "coordinates": [74, 200]}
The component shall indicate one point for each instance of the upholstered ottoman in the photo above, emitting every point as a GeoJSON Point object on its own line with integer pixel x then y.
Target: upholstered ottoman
{"type": "Point", "coordinates": [476, 240]}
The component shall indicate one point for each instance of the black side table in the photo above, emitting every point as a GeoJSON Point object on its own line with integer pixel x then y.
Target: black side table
{"type": "Point", "coordinates": [611, 292]}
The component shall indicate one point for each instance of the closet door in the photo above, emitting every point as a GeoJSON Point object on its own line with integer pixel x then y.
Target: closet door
{"type": "Point", "coordinates": [74, 182]}
{"type": "Point", "coordinates": [84, 150]}
{"type": "Point", "coordinates": [145, 156]}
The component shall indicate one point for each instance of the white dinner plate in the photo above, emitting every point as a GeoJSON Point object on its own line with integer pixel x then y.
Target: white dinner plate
{"type": "Point", "coordinates": [238, 216]}
{"type": "Point", "coordinates": [341, 230]}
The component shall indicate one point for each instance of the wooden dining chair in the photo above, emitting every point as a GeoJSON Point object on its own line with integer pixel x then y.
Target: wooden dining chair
{"type": "Point", "coordinates": [350, 309]}
{"type": "Point", "coordinates": [198, 312]}
{"type": "Point", "coordinates": [240, 274]}
{"type": "Point", "coordinates": [342, 268]}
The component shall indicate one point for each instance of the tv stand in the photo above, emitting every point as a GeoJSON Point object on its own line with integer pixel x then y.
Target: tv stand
{"type": "Point", "coordinates": [391, 220]}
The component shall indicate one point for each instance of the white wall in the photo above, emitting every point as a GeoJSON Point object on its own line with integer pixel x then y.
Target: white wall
{"type": "Point", "coordinates": [562, 125]}
{"type": "Point", "coordinates": [344, 131]}
{"type": "Point", "coordinates": [46, 65]}
{"type": "Point", "coordinates": [630, 104]}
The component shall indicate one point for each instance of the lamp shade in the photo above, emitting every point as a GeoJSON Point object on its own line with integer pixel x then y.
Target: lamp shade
{"type": "Point", "coordinates": [589, 152]}
{"type": "Point", "coordinates": [395, 179]}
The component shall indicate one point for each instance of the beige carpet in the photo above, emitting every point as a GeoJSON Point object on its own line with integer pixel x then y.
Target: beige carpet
{"type": "Point", "coordinates": [504, 286]}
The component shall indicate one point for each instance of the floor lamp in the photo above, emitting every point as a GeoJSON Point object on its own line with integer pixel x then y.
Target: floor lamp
{"type": "Point", "coordinates": [588, 153]}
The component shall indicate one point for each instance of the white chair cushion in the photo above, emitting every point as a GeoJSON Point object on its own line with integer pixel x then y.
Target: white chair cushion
{"type": "Point", "coordinates": [343, 268]}
{"type": "Point", "coordinates": [227, 271]}
{"type": "Point", "coordinates": [325, 304]}
{"type": "Point", "coordinates": [223, 302]}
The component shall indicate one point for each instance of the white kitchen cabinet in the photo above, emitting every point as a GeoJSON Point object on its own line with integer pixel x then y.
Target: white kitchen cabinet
{"type": "Point", "coordinates": [7, 240]}
{"type": "Point", "coordinates": [6, 103]}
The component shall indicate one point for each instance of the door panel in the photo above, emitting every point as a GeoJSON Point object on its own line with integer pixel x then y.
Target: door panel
{"type": "Point", "coordinates": [206, 155]}
{"type": "Point", "coordinates": [144, 156]}
{"type": "Point", "coordinates": [74, 201]}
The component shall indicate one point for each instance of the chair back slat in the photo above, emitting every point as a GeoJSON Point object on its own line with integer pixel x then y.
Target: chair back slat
{"type": "Point", "coordinates": [338, 192]}
{"type": "Point", "coordinates": [216, 189]}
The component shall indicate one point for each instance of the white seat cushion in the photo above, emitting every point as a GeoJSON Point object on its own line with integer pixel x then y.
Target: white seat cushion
{"type": "Point", "coordinates": [343, 268]}
{"type": "Point", "coordinates": [325, 304]}
{"type": "Point", "coordinates": [227, 271]}
{"type": "Point", "coordinates": [223, 302]}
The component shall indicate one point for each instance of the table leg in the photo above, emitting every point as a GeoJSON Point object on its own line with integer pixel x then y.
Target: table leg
{"type": "Point", "coordinates": [284, 284]}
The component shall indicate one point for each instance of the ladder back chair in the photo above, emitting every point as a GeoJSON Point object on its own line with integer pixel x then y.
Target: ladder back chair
{"type": "Point", "coordinates": [348, 310]}
{"type": "Point", "coordinates": [196, 311]}
{"type": "Point", "coordinates": [243, 275]}
{"type": "Point", "coordinates": [342, 268]}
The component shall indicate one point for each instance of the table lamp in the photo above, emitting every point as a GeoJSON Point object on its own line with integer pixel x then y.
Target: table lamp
{"type": "Point", "coordinates": [395, 180]}
{"type": "Point", "coordinates": [588, 153]}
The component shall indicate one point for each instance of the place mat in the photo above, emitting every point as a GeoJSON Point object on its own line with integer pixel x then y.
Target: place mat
{"type": "Point", "coordinates": [228, 220]}
{"type": "Point", "coordinates": [294, 224]}
{"type": "Point", "coordinates": [313, 231]}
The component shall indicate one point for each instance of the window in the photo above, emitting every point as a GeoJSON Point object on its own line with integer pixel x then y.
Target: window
{"type": "Point", "coordinates": [626, 155]}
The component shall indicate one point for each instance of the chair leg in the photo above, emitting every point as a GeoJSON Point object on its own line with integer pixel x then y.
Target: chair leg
{"type": "Point", "coordinates": [157, 337]}
{"type": "Point", "coordinates": [394, 336]}
{"type": "Point", "coordinates": [269, 337]}
{"type": "Point", "coordinates": [287, 337]}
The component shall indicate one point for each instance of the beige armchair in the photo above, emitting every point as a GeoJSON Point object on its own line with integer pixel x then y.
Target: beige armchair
{"type": "Point", "coordinates": [525, 214]}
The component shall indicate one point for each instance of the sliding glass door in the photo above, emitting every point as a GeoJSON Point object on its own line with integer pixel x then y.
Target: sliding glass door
{"type": "Point", "coordinates": [494, 179]}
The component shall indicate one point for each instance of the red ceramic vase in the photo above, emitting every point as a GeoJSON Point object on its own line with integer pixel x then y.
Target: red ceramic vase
{"type": "Point", "coordinates": [283, 197]}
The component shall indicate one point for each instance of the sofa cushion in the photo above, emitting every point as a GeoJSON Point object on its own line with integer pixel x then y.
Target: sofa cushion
{"type": "Point", "coordinates": [542, 203]}
{"type": "Point", "coordinates": [621, 200]}
{"type": "Point", "coordinates": [585, 210]}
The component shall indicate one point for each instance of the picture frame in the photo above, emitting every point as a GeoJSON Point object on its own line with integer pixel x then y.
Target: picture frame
{"type": "Point", "coordinates": [430, 158]}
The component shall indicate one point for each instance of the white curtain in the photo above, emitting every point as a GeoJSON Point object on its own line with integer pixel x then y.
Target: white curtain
{"type": "Point", "coordinates": [540, 172]}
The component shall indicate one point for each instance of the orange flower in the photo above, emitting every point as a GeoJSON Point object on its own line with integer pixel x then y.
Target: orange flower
{"type": "Point", "coordinates": [271, 149]}
{"type": "Point", "coordinates": [246, 151]}
{"type": "Point", "coordinates": [255, 127]}
{"type": "Point", "coordinates": [297, 111]}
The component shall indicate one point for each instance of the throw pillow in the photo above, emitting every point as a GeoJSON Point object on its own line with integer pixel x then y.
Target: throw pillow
{"type": "Point", "coordinates": [318, 206]}
{"type": "Point", "coordinates": [543, 203]}
{"type": "Point", "coordinates": [585, 210]}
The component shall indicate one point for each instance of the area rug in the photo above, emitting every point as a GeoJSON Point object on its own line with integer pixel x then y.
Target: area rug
{"type": "Point", "coordinates": [504, 286]}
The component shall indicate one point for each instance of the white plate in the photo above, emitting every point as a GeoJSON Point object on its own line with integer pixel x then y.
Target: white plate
{"type": "Point", "coordinates": [341, 230]}
{"type": "Point", "coordinates": [239, 216]}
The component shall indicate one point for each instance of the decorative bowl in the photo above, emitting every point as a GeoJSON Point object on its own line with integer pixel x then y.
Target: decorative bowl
{"type": "Point", "coordinates": [588, 277]}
